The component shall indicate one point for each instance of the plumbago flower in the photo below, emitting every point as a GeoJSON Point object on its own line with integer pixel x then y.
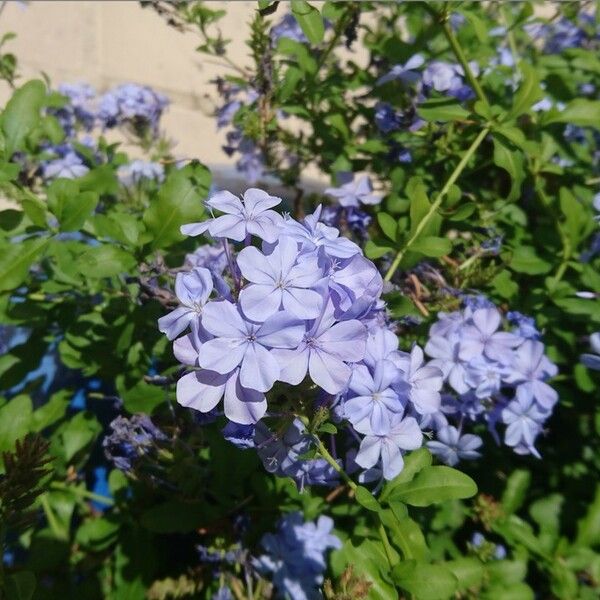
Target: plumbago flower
{"type": "Point", "coordinates": [302, 307]}
{"type": "Point", "coordinates": [295, 555]}
{"type": "Point", "coordinates": [352, 192]}
{"type": "Point", "coordinates": [495, 376]}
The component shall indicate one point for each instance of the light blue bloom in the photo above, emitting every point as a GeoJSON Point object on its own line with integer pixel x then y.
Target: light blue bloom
{"type": "Point", "coordinates": [279, 280]}
{"type": "Point", "coordinates": [403, 434]}
{"type": "Point", "coordinates": [592, 361]}
{"type": "Point", "coordinates": [138, 170]}
{"type": "Point", "coordinates": [353, 191]}
{"type": "Point", "coordinates": [251, 216]}
{"type": "Point", "coordinates": [193, 290]}
{"type": "Point", "coordinates": [405, 73]}
{"type": "Point", "coordinates": [451, 447]}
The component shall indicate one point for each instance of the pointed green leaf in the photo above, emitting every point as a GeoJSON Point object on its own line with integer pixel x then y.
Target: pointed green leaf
{"type": "Point", "coordinates": [16, 259]}
{"type": "Point", "coordinates": [22, 114]}
{"type": "Point", "coordinates": [433, 485]}
{"type": "Point", "coordinates": [432, 246]}
{"type": "Point", "coordinates": [310, 20]}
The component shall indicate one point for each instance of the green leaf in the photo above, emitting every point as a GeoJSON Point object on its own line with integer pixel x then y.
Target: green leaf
{"type": "Point", "coordinates": [515, 591]}
{"type": "Point", "coordinates": [419, 207]}
{"type": "Point", "coordinates": [368, 560]}
{"type": "Point", "coordinates": [414, 462]}
{"type": "Point", "coordinates": [291, 79]}
{"type": "Point", "coordinates": [373, 251]}
{"type": "Point", "coordinates": [425, 581]}
{"type": "Point", "coordinates": [442, 109]}
{"type": "Point", "coordinates": [328, 428]}
{"type": "Point", "coordinates": [20, 586]}
{"type": "Point", "coordinates": [309, 19]}
{"type": "Point", "coordinates": [504, 286]}
{"type": "Point", "coordinates": [52, 411]}
{"type": "Point", "coordinates": [468, 571]}
{"type": "Point", "coordinates": [97, 534]}
{"type": "Point", "coordinates": [77, 434]}
{"type": "Point", "coordinates": [33, 207]}
{"type": "Point", "coordinates": [525, 260]}
{"type": "Point", "coordinates": [529, 91]}
{"type": "Point", "coordinates": [546, 513]}
{"type": "Point", "coordinates": [576, 217]}
{"type": "Point", "coordinates": [463, 212]}
{"type": "Point", "coordinates": [70, 206]}
{"type": "Point", "coordinates": [581, 111]}
{"type": "Point", "coordinates": [433, 485]}
{"type": "Point", "coordinates": [432, 246]}
{"type": "Point", "coordinates": [588, 528]}
{"type": "Point", "coordinates": [10, 219]}
{"type": "Point", "coordinates": [179, 202]}
{"type": "Point", "coordinates": [142, 398]}
{"type": "Point", "coordinates": [304, 59]}
{"type": "Point", "coordinates": [105, 261]}
{"type": "Point", "coordinates": [16, 259]}
{"type": "Point", "coordinates": [15, 421]}
{"type": "Point", "coordinates": [22, 114]}
{"type": "Point", "coordinates": [404, 532]}
{"type": "Point", "coordinates": [511, 160]}
{"type": "Point", "coordinates": [366, 499]}
{"type": "Point", "coordinates": [388, 225]}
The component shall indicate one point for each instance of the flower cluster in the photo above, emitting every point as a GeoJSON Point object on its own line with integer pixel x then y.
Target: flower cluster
{"type": "Point", "coordinates": [136, 107]}
{"type": "Point", "coordinates": [493, 376]}
{"type": "Point", "coordinates": [305, 306]}
{"type": "Point", "coordinates": [131, 104]}
{"type": "Point", "coordinates": [137, 171]}
{"type": "Point", "coordinates": [295, 555]}
{"type": "Point", "coordinates": [300, 306]}
{"type": "Point", "coordinates": [130, 439]}
{"type": "Point", "coordinates": [283, 456]}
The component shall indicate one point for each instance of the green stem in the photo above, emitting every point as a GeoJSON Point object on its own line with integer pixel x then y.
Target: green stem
{"type": "Point", "coordinates": [509, 34]}
{"type": "Point", "coordinates": [462, 59]}
{"type": "Point", "coordinates": [567, 251]}
{"type": "Point", "coordinates": [437, 202]}
{"type": "Point", "coordinates": [51, 518]}
{"type": "Point", "coordinates": [78, 491]}
{"type": "Point", "coordinates": [389, 551]}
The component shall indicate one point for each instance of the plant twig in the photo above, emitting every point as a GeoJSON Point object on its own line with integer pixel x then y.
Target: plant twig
{"type": "Point", "coordinates": [437, 202]}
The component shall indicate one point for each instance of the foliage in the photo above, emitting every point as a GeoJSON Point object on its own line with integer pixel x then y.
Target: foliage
{"type": "Point", "coordinates": [460, 143]}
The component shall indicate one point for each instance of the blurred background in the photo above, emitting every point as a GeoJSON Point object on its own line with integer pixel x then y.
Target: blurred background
{"type": "Point", "coordinates": [106, 43]}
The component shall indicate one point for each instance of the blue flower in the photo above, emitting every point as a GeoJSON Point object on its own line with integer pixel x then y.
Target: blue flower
{"type": "Point", "coordinates": [405, 73]}
{"type": "Point", "coordinates": [251, 216]}
{"type": "Point", "coordinates": [524, 419]}
{"type": "Point", "coordinates": [68, 166]}
{"type": "Point", "coordinates": [193, 290]}
{"type": "Point", "coordinates": [386, 117]}
{"type": "Point", "coordinates": [138, 170]}
{"type": "Point", "coordinates": [288, 28]}
{"type": "Point", "coordinates": [451, 447]}
{"type": "Point", "coordinates": [403, 433]}
{"type": "Point", "coordinates": [353, 192]}
{"type": "Point", "coordinates": [79, 110]}
{"type": "Point", "coordinates": [132, 104]}
{"type": "Point", "coordinates": [525, 326]}
{"type": "Point", "coordinates": [295, 556]}
{"type": "Point", "coordinates": [283, 456]}
{"type": "Point", "coordinates": [281, 279]}
{"type": "Point", "coordinates": [241, 436]}
{"type": "Point", "coordinates": [592, 361]}
{"type": "Point", "coordinates": [130, 439]}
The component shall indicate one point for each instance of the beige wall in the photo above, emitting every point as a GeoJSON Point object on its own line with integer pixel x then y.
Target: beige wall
{"type": "Point", "coordinates": [107, 42]}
